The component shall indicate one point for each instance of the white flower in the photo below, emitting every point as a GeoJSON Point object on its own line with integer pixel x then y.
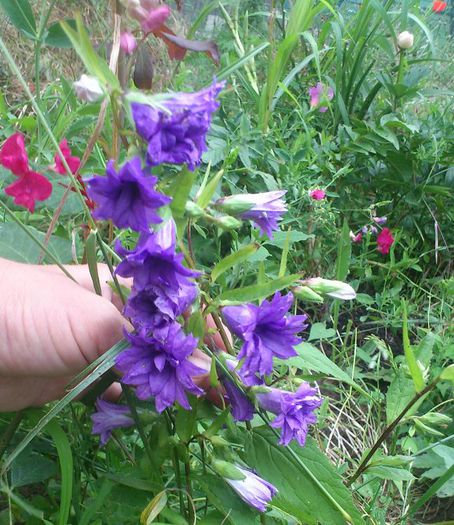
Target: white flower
{"type": "Point", "coordinates": [335, 289]}
{"type": "Point", "coordinates": [405, 40]}
{"type": "Point", "coordinates": [88, 89]}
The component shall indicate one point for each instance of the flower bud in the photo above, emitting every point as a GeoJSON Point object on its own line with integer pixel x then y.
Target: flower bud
{"type": "Point", "coordinates": [128, 43]}
{"type": "Point", "coordinates": [405, 40]}
{"type": "Point", "coordinates": [236, 204]}
{"type": "Point", "coordinates": [307, 294]}
{"type": "Point", "coordinates": [88, 89]}
{"type": "Point", "coordinates": [227, 470]}
{"type": "Point", "coordinates": [193, 210]}
{"type": "Point", "coordinates": [335, 289]}
{"type": "Point", "coordinates": [227, 223]}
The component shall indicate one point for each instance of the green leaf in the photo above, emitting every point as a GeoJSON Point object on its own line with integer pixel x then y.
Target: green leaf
{"type": "Point", "coordinates": [319, 331]}
{"type": "Point", "coordinates": [56, 36]}
{"type": "Point", "coordinates": [21, 15]}
{"type": "Point", "coordinates": [232, 260]}
{"type": "Point", "coordinates": [154, 508]}
{"type": "Point", "coordinates": [208, 191]}
{"type": "Point", "coordinates": [313, 494]}
{"type": "Point", "coordinates": [92, 261]}
{"type": "Point", "coordinates": [391, 473]}
{"type": "Point", "coordinates": [179, 191]}
{"type": "Point", "coordinates": [31, 468]}
{"type": "Point", "coordinates": [448, 374]}
{"type": "Point", "coordinates": [399, 394]}
{"type": "Point", "coordinates": [95, 65]}
{"type": "Point", "coordinates": [344, 251]}
{"type": "Point", "coordinates": [66, 469]}
{"type": "Point", "coordinates": [231, 68]}
{"type": "Point", "coordinates": [310, 358]}
{"type": "Point", "coordinates": [413, 366]}
{"type": "Point", "coordinates": [16, 245]}
{"type": "Point", "coordinates": [256, 291]}
{"type": "Point", "coordinates": [280, 238]}
{"type": "Point", "coordinates": [224, 498]}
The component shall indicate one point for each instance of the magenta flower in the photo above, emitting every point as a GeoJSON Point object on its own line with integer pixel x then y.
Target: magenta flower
{"type": "Point", "coordinates": [158, 366]}
{"type": "Point", "coordinates": [127, 197]}
{"type": "Point", "coordinates": [128, 43]}
{"type": "Point", "coordinates": [255, 491]}
{"type": "Point", "coordinates": [385, 240]}
{"type": "Point", "coordinates": [73, 162]}
{"type": "Point", "coordinates": [294, 411]}
{"type": "Point", "coordinates": [267, 331]}
{"type": "Point", "coordinates": [263, 209]}
{"type": "Point", "coordinates": [150, 15]}
{"type": "Point", "coordinates": [356, 238]}
{"type": "Point", "coordinates": [178, 135]}
{"type": "Point", "coordinates": [320, 95]}
{"type": "Point", "coordinates": [108, 417]}
{"type": "Point", "coordinates": [317, 195]}
{"type": "Point", "coordinates": [30, 186]}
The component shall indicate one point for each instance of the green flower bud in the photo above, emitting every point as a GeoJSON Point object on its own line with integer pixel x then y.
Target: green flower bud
{"type": "Point", "coordinates": [335, 289]}
{"type": "Point", "coordinates": [193, 210]}
{"type": "Point", "coordinates": [227, 470]}
{"type": "Point", "coordinates": [307, 294]}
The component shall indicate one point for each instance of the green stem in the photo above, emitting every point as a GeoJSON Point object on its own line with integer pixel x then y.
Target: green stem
{"type": "Point", "coordinates": [12, 65]}
{"type": "Point", "coordinates": [10, 431]}
{"type": "Point", "coordinates": [389, 429]}
{"type": "Point", "coordinates": [36, 240]}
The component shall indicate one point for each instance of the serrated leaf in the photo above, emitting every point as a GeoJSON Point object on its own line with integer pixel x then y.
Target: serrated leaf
{"type": "Point", "coordinates": [313, 494]}
{"type": "Point", "coordinates": [233, 259]}
{"type": "Point", "coordinates": [256, 291]}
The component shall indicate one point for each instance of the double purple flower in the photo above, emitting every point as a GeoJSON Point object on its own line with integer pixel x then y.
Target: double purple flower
{"type": "Point", "coordinates": [267, 331]}
{"type": "Point", "coordinates": [176, 133]}
{"type": "Point", "coordinates": [158, 366]}
{"type": "Point", "coordinates": [127, 197]}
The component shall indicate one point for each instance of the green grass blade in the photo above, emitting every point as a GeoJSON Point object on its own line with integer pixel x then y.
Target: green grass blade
{"type": "Point", "coordinates": [415, 371]}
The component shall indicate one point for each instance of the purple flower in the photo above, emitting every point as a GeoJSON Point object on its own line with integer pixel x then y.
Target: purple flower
{"type": "Point", "coordinates": [154, 263]}
{"type": "Point", "coordinates": [158, 366]}
{"type": "Point", "coordinates": [127, 197]}
{"type": "Point", "coordinates": [294, 410]}
{"type": "Point", "coordinates": [267, 331]}
{"type": "Point", "coordinates": [177, 133]}
{"type": "Point", "coordinates": [254, 490]}
{"type": "Point", "coordinates": [263, 209]}
{"type": "Point", "coordinates": [380, 220]}
{"type": "Point", "coordinates": [241, 406]}
{"type": "Point", "coordinates": [320, 94]}
{"type": "Point", "coordinates": [108, 417]}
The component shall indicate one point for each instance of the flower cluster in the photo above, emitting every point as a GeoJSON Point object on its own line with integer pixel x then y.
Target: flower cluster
{"type": "Point", "coordinates": [30, 186]}
{"type": "Point", "coordinates": [385, 238]}
{"type": "Point", "coordinates": [320, 95]}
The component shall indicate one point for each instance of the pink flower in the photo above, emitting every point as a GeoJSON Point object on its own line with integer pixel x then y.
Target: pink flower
{"type": "Point", "coordinates": [73, 162]}
{"type": "Point", "coordinates": [356, 238]}
{"type": "Point", "coordinates": [320, 94]}
{"type": "Point", "coordinates": [30, 186]}
{"type": "Point", "coordinates": [13, 155]}
{"type": "Point", "coordinates": [317, 195]}
{"type": "Point", "coordinates": [128, 43]}
{"type": "Point", "coordinates": [385, 240]}
{"type": "Point", "coordinates": [149, 16]}
{"type": "Point", "coordinates": [380, 220]}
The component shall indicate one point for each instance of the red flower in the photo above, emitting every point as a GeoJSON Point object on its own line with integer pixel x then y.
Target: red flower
{"type": "Point", "coordinates": [438, 6]}
{"type": "Point", "coordinates": [73, 162]}
{"type": "Point", "coordinates": [385, 240]}
{"type": "Point", "coordinates": [13, 155]}
{"type": "Point", "coordinates": [31, 186]}
{"type": "Point", "coordinates": [317, 195]}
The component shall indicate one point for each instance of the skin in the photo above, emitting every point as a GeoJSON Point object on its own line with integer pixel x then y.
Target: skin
{"type": "Point", "coordinates": [51, 328]}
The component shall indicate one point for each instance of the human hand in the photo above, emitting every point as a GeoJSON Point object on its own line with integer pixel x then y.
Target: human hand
{"type": "Point", "coordinates": [50, 329]}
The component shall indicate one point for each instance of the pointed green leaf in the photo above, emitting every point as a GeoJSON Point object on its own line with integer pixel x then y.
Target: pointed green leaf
{"type": "Point", "coordinates": [256, 291]}
{"type": "Point", "coordinates": [233, 259]}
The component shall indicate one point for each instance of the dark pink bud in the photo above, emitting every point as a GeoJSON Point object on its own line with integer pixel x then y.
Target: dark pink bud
{"type": "Point", "coordinates": [128, 43]}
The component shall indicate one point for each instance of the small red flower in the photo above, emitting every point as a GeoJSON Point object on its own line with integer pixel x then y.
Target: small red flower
{"type": "Point", "coordinates": [385, 240]}
{"type": "Point", "coordinates": [13, 155]}
{"type": "Point", "coordinates": [317, 195]}
{"type": "Point", "coordinates": [438, 6]}
{"type": "Point", "coordinates": [73, 162]}
{"type": "Point", "coordinates": [30, 186]}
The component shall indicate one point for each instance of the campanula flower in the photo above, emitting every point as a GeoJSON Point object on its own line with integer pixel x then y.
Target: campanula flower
{"type": "Point", "coordinates": [178, 134]}
{"type": "Point", "coordinates": [263, 209]}
{"type": "Point", "coordinates": [267, 331]}
{"type": "Point", "coordinates": [294, 411]}
{"type": "Point", "coordinates": [254, 490]}
{"type": "Point", "coordinates": [109, 416]}
{"type": "Point", "coordinates": [158, 366]}
{"type": "Point", "coordinates": [128, 196]}
{"type": "Point", "coordinates": [241, 406]}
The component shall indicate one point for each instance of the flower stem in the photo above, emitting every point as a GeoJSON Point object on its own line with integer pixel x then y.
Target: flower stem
{"type": "Point", "coordinates": [389, 429]}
